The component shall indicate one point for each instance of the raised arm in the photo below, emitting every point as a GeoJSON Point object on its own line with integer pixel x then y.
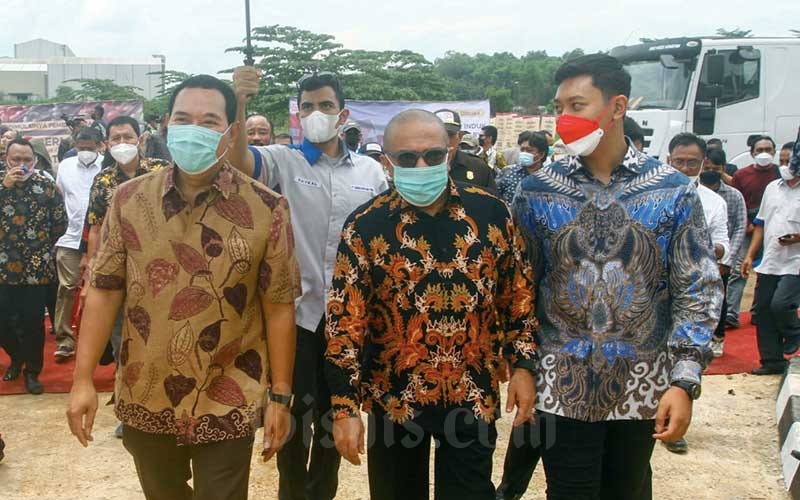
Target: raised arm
{"type": "Point", "coordinates": [245, 85]}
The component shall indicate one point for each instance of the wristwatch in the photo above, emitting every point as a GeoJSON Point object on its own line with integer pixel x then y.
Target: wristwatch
{"type": "Point", "coordinates": [283, 399]}
{"type": "Point", "coordinates": [692, 389]}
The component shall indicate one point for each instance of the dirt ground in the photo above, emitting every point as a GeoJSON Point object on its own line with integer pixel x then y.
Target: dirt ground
{"type": "Point", "coordinates": [733, 452]}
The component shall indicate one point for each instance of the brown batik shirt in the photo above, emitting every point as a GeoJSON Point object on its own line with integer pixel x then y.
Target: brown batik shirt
{"type": "Point", "coordinates": [193, 360]}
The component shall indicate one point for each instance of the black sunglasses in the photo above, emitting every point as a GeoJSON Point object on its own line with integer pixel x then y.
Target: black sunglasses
{"type": "Point", "coordinates": [432, 157]}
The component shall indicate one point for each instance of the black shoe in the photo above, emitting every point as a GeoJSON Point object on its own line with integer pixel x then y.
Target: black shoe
{"type": "Point", "coordinates": [12, 373]}
{"type": "Point", "coordinates": [679, 446]}
{"type": "Point", "coordinates": [2, 448]}
{"type": "Point", "coordinates": [32, 384]}
{"type": "Point", "coordinates": [768, 370]}
{"type": "Point", "coordinates": [790, 346]}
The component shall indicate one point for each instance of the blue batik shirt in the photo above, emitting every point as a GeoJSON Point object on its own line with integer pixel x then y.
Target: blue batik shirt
{"type": "Point", "coordinates": [629, 289]}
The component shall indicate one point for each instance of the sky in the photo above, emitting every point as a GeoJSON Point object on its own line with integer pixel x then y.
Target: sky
{"type": "Point", "coordinates": [193, 34]}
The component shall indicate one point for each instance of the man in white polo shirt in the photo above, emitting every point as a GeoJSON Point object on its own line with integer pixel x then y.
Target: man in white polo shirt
{"type": "Point", "coordinates": [777, 297]}
{"type": "Point", "coordinates": [324, 182]}
{"type": "Point", "coordinates": [74, 180]}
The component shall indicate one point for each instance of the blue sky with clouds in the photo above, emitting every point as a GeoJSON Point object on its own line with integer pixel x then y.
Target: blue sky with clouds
{"type": "Point", "coordinates": [193, 34]}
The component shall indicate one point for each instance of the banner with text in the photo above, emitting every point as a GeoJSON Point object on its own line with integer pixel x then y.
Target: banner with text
{"type": "Point", "coordinates": [510, 125]}
{"type": "Point", "coordinates": [45, 122]}
{"type": "Point", "coordinates": [373, 116]}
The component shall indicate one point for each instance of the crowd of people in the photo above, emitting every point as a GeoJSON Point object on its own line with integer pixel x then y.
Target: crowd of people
{"type": "Point", "coordinates": [239, 280]}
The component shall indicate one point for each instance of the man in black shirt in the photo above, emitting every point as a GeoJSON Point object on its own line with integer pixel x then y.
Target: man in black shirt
{"type": "Point", "coordinates": [464, 167]}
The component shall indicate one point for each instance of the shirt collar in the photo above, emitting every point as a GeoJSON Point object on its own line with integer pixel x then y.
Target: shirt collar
{"type": "Point", "coordinates": [398, 204]}
{"type": "Point", "coordinates": [312, 153]}
{"type": "Point", "coordinates": [224, 182]}
{"type": "Point", "coordinates": [633, 161]}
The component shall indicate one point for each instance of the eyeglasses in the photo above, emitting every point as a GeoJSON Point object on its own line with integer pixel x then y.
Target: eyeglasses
{"type": "Point", "coordinates": [322, 75]}
{"type": "Point", "coordinates": [407, 159]}
{"type": "Point", "coordinates": [680, 163]}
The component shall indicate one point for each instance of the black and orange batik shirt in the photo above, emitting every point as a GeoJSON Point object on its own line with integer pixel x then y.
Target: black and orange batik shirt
{"type": "Point", "coordinates": [421, 309]}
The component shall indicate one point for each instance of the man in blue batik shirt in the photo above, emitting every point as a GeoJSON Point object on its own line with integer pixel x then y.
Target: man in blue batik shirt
{"type": "Point", "coordinates": [629, 292]}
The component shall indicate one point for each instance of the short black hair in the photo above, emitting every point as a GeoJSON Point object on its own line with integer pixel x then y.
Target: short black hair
{"type": "Point", "coordinates": [539, 141]}
{"type": "Point", "coordinates": [714, 142]}
{"type": "Point", "coordinates": [123, 120]}
{"type": "Point", "coordinates": [284, 136]}
{"type": "Point", "coordinates": [687, 139]}
{"type": "Point", "coordinates": [20, 141]}
{"type": "Point", "coordinates": [607, 74]}
{"type": "Point", "coordinates": [211, 83]}
{"type": "Point", "coordinates": [789, 146]}
{"type": "Point", "coordinates": [100, 110]}
{"type": "Point", "coordinates": [754, 139]}
{"type": "Point", "coordinates": [491, 131]}
{"type": "Point", "coordinates": [523, 137]}
{"type": "Point", "coordinates": [717, 157]}
{"type": "Point", "coordinates": [632, 130]}
{"type": "Point", "coordinates": [317, 81]}
{"type": "Point", "coordinates": [89, 134]}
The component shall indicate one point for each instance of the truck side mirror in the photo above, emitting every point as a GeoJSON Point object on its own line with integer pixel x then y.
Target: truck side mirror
{"type": "Point", "coordinates": [715, 72]}
{"type": "Point", "coordinates": [668, 61]}
{"type": "Point", "coordinates": [709, 91]}
{"type": "Point", "coordinates": [748, 53]}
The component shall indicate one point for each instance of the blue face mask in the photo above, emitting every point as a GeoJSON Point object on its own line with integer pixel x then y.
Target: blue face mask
{"type": "Point", "coordinates": [421, 186]}
{"type": "Point", "coordinates": [525, 159]}
{"type": "Point", "coordinates": [193, 148]}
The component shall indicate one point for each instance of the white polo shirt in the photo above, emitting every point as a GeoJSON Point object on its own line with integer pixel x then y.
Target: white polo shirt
{"type": "Point", "coordinates": [780, 215]}
{"type": "Point", "coordinates": [322, 192]}
{"type": "Point", "coordinates": [74, 180]}
{"type": "Point", "coordinates": [715, 210]}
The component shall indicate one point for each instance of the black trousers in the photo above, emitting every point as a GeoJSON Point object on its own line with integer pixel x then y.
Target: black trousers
{"type": "Point", "coordinates": [398, 459]}
{"type": "Point", "coordinates": [522, 456]}
{"type": "Point", "coordinates": [777, 299]}
{"type": "Point", "coordinates": [221, 470]}
{"type": "Point", "coordinates": [719, 333]}
{"type": "Point", "coordinates": [311, 427]}
{"type": "Point", "coordinates": [607, 460]}
{"type": "Point", "coordinates": [22, 324]}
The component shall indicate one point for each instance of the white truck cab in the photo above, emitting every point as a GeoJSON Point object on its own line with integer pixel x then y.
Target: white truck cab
{"type": "Point", "coordinates": [728, 88]}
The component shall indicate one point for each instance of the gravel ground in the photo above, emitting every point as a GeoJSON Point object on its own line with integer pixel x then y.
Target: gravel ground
{"type": "Point", "coordinates": [733, 452]}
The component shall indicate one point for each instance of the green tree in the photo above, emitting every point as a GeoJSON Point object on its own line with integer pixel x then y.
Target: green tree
{"type": "Point", "coordinates": [101, 90]}
{"type": "Point", "coordinates": [734, 33]}
{"type": "Point", "coordinates": [285, 54]}
{"type": "Point", "coordinates": [169, 80]}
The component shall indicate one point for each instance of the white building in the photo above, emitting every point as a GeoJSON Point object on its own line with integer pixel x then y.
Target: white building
{"type": "Point", "coordinates": [40, 66]}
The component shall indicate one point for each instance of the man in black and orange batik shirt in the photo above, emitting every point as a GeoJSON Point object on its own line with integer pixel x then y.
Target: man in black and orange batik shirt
{"type": "Point", "coordinates": [429, 287]}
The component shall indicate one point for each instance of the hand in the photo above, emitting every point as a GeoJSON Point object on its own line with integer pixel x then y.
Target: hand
{"type": "Point", "coordinates": [522, 393]}
{"type": "Point", "coordinates": [747, 266]}
{"type": "Point", "coordinates": [675, 406]}
{"type": "Point", "coordinates": [348, 434]}
{"type": "Point", "coordinates": [246, 81]}
{"type": "Point", "coordinates": [277, 422]}
{"type": "Point", "coordinates": [13, 175]}
{"type": "Point", "coordinates": [83, 264]}
{"type": "Point", "coordinates": [791, 240]}
{"type": "Point", "coordinates": [82, 410]}
{"type": "Point", "coordinates": [724, 270]}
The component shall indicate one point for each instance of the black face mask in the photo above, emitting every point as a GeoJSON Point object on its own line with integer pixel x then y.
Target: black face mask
{"type": "Point", "coordinates": [710, 177]}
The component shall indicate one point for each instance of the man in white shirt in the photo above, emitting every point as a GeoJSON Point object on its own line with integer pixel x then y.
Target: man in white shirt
{"type": "Point", "coordinates": [74, 180]}
{"type": "Point", "coordinates": [777, 297]}
{"type": "Point", "coordinates": [687, 154]}
{"type": "Point", "coordinates": [323, 182]}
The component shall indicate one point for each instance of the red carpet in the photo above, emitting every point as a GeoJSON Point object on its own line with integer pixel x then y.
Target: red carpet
{"type": "Point", "coordinates": [55, 378]}
{"type": "Point", "coordinates": [741, 350]}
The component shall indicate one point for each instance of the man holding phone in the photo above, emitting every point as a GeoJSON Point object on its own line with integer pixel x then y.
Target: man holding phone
{"type": "Point", "coordinates": [777, 228]}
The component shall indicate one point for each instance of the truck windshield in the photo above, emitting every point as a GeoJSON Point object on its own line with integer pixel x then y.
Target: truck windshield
{"type": "Point", "coordinates": [655, 87]}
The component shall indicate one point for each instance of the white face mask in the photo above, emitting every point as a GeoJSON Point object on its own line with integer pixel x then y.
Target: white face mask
{"type": "Point", "coordinates": [319, 127]}
{"type": "Point", "coordinates": [124, 153]}
{"type": "Point", "coordinates": [87, 157]}
{"type": "Point", "coordinates": [763, 159]}
{"type": "Point", "coordinates": [586, 144]}
{"type": "Point", "coordinates": [786, 173]}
